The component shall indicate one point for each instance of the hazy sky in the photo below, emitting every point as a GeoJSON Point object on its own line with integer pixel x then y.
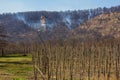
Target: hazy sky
{"type": "Point", "coordinates": [53, 5]}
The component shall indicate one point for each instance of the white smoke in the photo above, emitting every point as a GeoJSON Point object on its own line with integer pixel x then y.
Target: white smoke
{"type": "Point", "coordinates": [21, 18]}
{"type": "Point", "coordinates": [31, 24]}
{"type": "Point", "coordinates": [90, 14]}
{"type": "Point", "coordinates": [67, 21]}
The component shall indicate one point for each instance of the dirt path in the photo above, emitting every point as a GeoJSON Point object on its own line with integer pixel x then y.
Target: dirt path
{"type": "Point", "coordinates": [9, 76]}
{"type": "Point", "coordinates": [5, 76]}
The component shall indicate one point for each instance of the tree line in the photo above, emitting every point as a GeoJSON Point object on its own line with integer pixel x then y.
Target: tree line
{"type": "Point", "coordinates": [74, 60]}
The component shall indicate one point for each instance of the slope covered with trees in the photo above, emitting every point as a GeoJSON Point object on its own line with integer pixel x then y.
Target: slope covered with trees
{"type": "Point", "coordinates": [20, 25]}
{"type": "Point", "coordinates": [106, 25]}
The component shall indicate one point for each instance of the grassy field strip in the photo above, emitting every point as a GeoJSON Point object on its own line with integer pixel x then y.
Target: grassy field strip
{"type": "Point", "coordinates": [15, 59]}
{"type": "Point", "coordinates": [15, 68]}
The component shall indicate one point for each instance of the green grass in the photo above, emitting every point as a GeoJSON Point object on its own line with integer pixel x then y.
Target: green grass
{"type": "Point", "coordinates": [18, 79]}
{"type": "Point", "coordinates": [16, 67]}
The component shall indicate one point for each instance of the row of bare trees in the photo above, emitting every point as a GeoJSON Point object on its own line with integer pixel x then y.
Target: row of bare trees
{"type": "Point", "coordinates": [7, 48]}
{"type": "Point", "coordinates": [74, 60]}
{"type": "Point", "coordinates": [3, 42]}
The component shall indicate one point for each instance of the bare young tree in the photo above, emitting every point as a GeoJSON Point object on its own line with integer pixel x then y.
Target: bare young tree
{"type": "Point", "coordinates": [3, 42]}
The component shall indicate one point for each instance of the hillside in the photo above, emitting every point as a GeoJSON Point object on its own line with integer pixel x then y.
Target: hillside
{"type": "Point", "coordinates": [102, 26]}
{"type": "Point", "coordinates": [23, 26]}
